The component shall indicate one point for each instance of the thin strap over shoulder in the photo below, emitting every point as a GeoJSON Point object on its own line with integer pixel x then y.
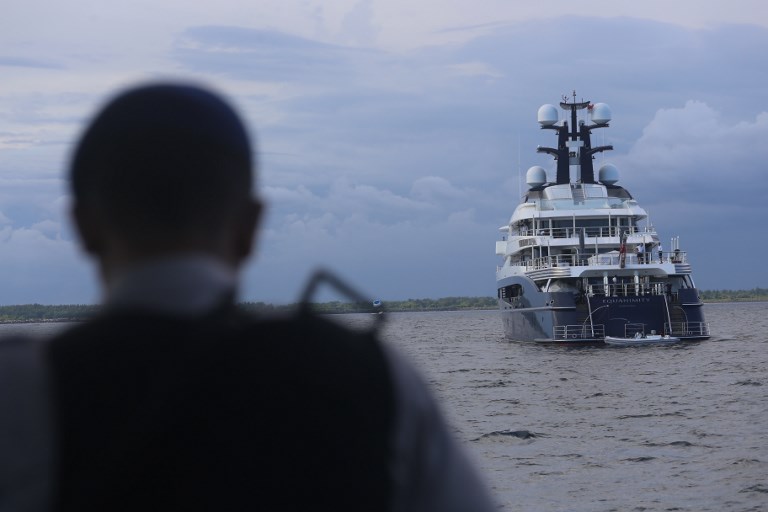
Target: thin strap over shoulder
{"type": "Point", "coordinates": [321, 276]}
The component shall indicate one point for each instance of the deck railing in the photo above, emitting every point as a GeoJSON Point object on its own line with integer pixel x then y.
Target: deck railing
{"type": "Point", "coordinates": [589, 232]}
{"type": "Point", "coordinates": [578, 332]}
{"type": "Point", "coordinates": [569, 203]}
{"type": "Point", "coordinates": [630, 289]}
{"type": "Point", "coordinates": [687, 328]}
{"type": "Point", "coordinates": [602, 259]}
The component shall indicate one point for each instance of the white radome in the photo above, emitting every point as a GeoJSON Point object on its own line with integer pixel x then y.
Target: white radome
{"type": "Point", "coordinates": [548, 115]}
{"type": "Point", "coordinates": [536, 176]}
{"type": "Point", "coordinates": [608, 174]}
{"type": "Point", "coordinates": [601, 113]}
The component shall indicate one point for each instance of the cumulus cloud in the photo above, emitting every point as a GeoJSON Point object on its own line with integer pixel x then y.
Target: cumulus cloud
{"type": "Point", "coordinates": [693, 150]}
{"type": "Point", "coordinates": [48, 228]}
{"type": "Point", "coordinates": [268, 55]}
{"type": "Point", "coordinates": [394, 260]}
{"type": "Point", "coordinates": [433, 188]}
{"type": "Point", "coordinates": [37, 265]}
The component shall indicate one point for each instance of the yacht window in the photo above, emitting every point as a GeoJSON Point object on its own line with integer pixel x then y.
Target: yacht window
{"type": "Point", "coordinates": [508, 292]}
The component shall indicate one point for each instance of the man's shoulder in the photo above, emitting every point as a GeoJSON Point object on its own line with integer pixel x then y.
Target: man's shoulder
{"type": "Point", "coordinates": [230, 331]}
{"type": "Point", "coordinates": [311, 339]}
{"type": "Point", "coordinates": [297, 323]}
{"type": "Point", "coordinates": [225, 318]}
{"type": "Point", "coordinates": [306, 326]}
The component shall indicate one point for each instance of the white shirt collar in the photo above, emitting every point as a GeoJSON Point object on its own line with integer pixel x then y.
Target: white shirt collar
{"type": "Point", "coordinates": [189, 284]}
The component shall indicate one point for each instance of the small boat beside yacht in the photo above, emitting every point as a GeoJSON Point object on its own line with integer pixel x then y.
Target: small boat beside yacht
{"type": "Point", "coordinates": [634, 334]}
{"type": "Point", "coordinates": [651, 339]}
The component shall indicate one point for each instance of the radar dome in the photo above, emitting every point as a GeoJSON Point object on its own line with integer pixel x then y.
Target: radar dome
{"type": "Point", "coordinates": [547, 115]}
{"type": "Point", "coordinates": [536, 176]}
{"type": "Point", "coordinates": [608, 174]}
{"type": "Point", "coordinates": [601, 113]}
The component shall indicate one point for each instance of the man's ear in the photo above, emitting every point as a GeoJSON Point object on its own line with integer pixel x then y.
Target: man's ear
{"type": "Point", "coordinates": [89, 228]}
{"type": "Point", "coordinates": [248, 223]}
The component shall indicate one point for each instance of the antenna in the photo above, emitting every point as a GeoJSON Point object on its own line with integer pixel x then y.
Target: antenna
{"type": "Point", "coordinates": [519, 169]}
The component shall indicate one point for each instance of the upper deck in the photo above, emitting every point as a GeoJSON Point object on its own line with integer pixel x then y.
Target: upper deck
{"type": "Point", "coordinates": [582, 200]}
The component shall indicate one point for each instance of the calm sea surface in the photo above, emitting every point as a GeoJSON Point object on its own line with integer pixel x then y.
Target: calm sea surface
{"type": "Point", "coordinates": [681, 427]}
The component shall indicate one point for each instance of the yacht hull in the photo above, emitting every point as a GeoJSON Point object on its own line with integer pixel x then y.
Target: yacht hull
{"type": "Point", "coordinates": [568, 317]}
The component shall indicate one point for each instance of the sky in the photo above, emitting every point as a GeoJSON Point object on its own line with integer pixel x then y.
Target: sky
{"type": "Point", "coordinates": [392, 133]}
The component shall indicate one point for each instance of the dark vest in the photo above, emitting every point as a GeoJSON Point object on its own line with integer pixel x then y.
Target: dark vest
{"type": "Point", "coordinates": [224, 412]}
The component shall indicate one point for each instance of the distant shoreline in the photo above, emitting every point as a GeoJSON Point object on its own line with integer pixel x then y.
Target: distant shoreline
{"type": "Point", "coordinates": [39, 313]}
{"type": "Point", "coordinates": [724, 301]}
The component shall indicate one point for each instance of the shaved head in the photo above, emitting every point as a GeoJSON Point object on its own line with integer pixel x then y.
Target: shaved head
{"type": "Point", "coordinates": [160, 166]}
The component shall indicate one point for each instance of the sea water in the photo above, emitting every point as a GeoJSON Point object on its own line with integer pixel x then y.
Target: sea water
{"type": "Point", "coordinates": [651, 428]}
{"type": "Point", "coordinates": [655, 428]}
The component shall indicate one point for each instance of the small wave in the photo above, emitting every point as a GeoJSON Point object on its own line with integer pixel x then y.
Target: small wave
{"type": "Point", "coordinates": [756, 488]}
{"type": "Point", "coordinates": [512, 401]}
{"type": "Point", "coordinates": [520, 434]}
{"type": "Point", "coordinates": [662, 415]}
{"type": "Point", "coordinates": [745, 461]}
{"type": "Point", "coordinates": [748, 383]}
{"type": "Point", "coordinates": [679, 444]}
{"type": "Point", "coordinates": [496, 384]}
{"type": "Point", "coordinates": [639, 459]}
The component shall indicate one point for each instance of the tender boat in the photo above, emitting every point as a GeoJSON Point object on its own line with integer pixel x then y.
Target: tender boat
{"type": "Point", "coordinates": [651, 339]}
{"type": "Point", "coordinates": [634, 334]}
{"type": "Point", "coordinates": [582, 263]}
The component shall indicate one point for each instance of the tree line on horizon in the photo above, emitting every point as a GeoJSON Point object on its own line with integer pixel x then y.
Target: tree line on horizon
{"type": "Point", "coordinates": [734, 295]}
{"type": "Point", "coordinates": [79, 312]}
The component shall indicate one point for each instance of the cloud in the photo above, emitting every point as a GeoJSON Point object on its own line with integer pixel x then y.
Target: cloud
{"type": "Point", "coordinates": [21, 62]}
{"type": "Point", "coordinates": [434, 188]}
{"type": "Point", "coordinates": [358, 25]}
{"type": "Point", "coordinates": [38, 266]}
{"type": "Point", "coordinates": [343, 200]}
{"type": "Point", "coordinates": [268, 55]}
{"type": "Point", "coordinates": [392, 260]}
{"type": "Point", "coordinates": [475, 69]}
{"type": "Point", "coordinates": [693, 150]}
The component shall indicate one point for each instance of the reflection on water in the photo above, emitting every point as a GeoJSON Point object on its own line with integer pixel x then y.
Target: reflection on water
{"type": "Point", "coordinates": [42, 329]}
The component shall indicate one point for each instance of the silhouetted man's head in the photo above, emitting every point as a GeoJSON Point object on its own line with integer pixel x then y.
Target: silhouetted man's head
{"type": "Point", "coordinates": [162, 169]}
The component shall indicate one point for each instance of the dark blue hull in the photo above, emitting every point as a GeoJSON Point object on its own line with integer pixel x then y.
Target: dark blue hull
{"type": "Point", "coordinates": [564, 317]}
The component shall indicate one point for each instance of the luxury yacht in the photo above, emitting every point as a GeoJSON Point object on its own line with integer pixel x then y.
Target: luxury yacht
{"type": "Point", "coordinates": [581, 261]}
